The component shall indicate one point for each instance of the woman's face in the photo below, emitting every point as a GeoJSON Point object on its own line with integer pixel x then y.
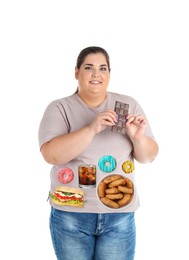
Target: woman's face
{"type": "Point", "coordinates": [93, 76]}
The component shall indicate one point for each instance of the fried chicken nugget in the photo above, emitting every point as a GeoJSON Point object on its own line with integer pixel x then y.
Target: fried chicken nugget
{"type": "Point", "coordinates": [110, 203]}
{"type": "Point", "coordinates": [112, 190]}
{"type": "Point", "coordinates": [117, 183]}
{"type": "Point", "coordinates": [128, 183]}
{"type": "Point", "coordinates": [125, 200]}
{"type": "Point", "coordinates": [112, 178]}
{"type": "Point", "coordinates": [125, 189]}
{"type": "Point", "coordinates": [101, 189]}
{"type": "Point", "coordinates": [114, 196]}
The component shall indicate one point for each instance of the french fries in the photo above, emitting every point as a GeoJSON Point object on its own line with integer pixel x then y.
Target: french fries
{"type": "Point", "coordinates": [115, 191]}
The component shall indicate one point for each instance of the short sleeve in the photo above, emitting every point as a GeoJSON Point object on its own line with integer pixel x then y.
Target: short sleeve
{"type": "Point", "coordinates": [137, 110]}
{"type": "Point", "coordinates": [54, 123]}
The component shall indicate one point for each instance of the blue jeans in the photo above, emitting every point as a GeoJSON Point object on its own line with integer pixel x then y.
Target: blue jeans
{"type": "Point", "coordinates": [90, 236]}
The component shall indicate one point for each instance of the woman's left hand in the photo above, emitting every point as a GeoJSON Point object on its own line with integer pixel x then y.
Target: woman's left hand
{"type": "Point", "coordinates": [136, 125]}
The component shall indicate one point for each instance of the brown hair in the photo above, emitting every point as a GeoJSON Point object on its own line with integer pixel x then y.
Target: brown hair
{"type": "Point", "coordinates": [90, 50]}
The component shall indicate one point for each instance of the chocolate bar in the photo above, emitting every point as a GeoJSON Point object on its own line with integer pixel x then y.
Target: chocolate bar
{"type": "Point", "coordinates": [121, 110]}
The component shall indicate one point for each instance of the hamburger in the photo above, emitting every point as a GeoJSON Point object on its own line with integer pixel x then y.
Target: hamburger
{"type": "Point", "coordinates": [68, 196]}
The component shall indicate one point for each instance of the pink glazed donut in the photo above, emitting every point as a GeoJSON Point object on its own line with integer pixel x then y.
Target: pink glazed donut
{"type": "Point", "coordinates": [65, 175]}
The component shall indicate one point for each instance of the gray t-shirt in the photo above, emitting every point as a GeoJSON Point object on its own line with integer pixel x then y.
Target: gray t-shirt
{"type": "Point", "coordinates": [69, 114]}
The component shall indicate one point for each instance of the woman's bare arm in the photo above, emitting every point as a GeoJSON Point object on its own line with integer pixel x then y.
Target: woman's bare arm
{"type": "Point", "coordinates": [64, 148]}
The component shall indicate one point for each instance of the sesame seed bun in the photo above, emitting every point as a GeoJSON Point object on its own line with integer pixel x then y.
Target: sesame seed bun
{"type": "Point", "coordinates": [70, 189]}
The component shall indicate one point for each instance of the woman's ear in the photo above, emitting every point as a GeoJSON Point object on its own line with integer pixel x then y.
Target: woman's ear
{"type": "Point", "coordinates": [76, 73]}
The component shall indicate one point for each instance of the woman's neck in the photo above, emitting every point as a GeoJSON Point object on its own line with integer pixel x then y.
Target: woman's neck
{"type": "Point", "coordinates": [92, 100]}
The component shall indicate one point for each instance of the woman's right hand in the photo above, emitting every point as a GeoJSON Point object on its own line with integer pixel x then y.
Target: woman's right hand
{"type": "Point", "coordinates": [103, 120]}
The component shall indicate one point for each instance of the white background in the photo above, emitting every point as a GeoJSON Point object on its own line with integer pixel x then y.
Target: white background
{"type": "Point", "coordinates": [148, 46]}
